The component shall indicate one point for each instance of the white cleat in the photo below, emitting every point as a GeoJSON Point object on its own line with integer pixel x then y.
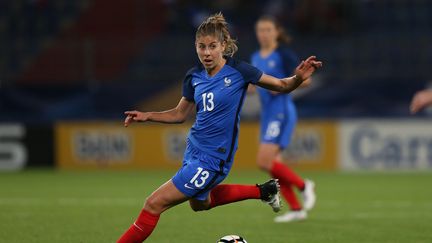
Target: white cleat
{"type": "Point", "coordinates": [291, 216]}
{"type": "Point", "coordinates": [309, 196]}
{"type": "Point", "coordinates": [275, 203]}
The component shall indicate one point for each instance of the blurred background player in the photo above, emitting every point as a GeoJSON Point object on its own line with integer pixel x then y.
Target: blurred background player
{"type": "Point", "coordinates": [216, 88]}
{"type": "Point", "coordinates": [279, 117]}
{"type": "Point", "coordinates": [421, 100]}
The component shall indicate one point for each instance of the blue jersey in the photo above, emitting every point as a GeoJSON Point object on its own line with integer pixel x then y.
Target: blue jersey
{"type": "Point", "coordinates": [218, 100]}
{"type": "Point", "coordinates": [280, 64]}
{"type": "Point", "coordinates": [278, 113]}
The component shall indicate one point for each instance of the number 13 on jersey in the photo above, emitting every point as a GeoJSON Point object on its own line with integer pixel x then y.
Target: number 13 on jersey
{"type": "Point", "coordinates": [208, 103]}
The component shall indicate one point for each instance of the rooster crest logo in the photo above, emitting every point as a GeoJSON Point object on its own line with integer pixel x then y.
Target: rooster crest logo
{"type": "Point", "coordinates": [227, 81]}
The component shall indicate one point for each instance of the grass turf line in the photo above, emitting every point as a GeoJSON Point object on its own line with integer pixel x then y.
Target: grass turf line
{"type": "Point", "coordinates": [51, 206]}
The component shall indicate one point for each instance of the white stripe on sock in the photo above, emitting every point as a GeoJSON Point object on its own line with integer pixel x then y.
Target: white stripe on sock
{"type": "Point", "coordinates": [138, 227]}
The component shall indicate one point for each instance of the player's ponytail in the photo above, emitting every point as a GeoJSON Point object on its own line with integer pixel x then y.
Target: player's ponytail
{"type": "Point", "coordinates": [217, 26]}
{"type": "Point", "coordinates": [283, 36]}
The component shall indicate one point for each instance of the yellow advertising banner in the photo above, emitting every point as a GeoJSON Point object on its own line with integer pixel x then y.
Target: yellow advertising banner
{"type": "Point", "coordinates": [313, 147]}
{"type": "Point", "coordinates": [94, 145]}
{"type": "Point", "coordinates": [102, 145]}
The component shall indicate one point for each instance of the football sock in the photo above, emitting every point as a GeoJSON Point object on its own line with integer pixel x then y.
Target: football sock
{"type": "Point", "coordinates": [141, 229]}
{"type": "Point", "coordinates": [286, 176]}
{"type": "Point", "coordinates": [224, 194]}
{"type": "Point", "coordinates": [290, 196]}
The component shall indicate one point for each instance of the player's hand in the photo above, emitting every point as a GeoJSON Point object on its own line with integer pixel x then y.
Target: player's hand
{"type": "Point", "coordinates": [135, 116]}
{"type": "Point", "coordinates": [420, 100]}
{"type": "Point", "coordinates": [307, 68]}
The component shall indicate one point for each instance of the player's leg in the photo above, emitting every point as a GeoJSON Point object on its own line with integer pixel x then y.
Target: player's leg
{"type": "Point", "coordinates": [276, 133]}
{"type": "Point", "coordinates": [288, 177]}
{"type": "Point", "coordinates": [230, 193]}
{"type": "Point", "coordinates": [225, 194]}
{"type": "Point", "coordinates": [165, 197]}
{"type": "Point", "coordinates": [305, 186]}
{"type": "Point", "coordinates": [268, 155]}
{"type": "Point", "coordinates": [201, 174]}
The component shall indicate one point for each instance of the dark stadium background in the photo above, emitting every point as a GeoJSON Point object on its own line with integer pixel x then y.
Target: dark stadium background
{"type": "Point", "coordinates": [93, 59]}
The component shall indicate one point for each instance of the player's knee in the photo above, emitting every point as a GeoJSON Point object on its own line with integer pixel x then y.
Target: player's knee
{"type": "Point", "coordinates": [199, 208]}
{"type": "Point", "coordinates": [153, 205]}
{"type": "Point", "coordinates": [196, 207]}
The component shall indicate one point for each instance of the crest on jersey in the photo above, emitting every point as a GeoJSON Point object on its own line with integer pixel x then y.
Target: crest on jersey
{"type": "Point", "coordinates": [271, 64]}
{"type": "Point", "coordinates": [227, 82]}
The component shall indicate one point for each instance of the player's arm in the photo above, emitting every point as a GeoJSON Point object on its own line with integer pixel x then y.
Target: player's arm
{"type": "Point", "coordinates": [302, 73]}
{"type": "Point", "coordinates": [306, 83]}
{"type": "Point", "coordinates": [421, 100]}
{"type": "Point", "coordinates": [175, 115]}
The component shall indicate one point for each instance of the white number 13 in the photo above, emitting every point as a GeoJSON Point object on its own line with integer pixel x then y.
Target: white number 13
{"type": "Point", "coordinates": [204, 176]}
{"type": "Point", "coordinates": [208, 101]}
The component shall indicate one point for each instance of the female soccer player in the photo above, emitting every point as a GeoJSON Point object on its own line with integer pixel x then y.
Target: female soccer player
{"type": "Point", "coordinates": [216, 89]}
{"type": "Point", "coordinates": [279, 117]}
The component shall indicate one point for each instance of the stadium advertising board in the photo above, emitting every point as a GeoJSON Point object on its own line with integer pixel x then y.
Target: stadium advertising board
{"type": "Point", "coordinates": [385, 144]}
{"type": "Point", "coordinates": [25, 146]}
{"type": "Point", "coordinates": [314, 146]}
{"type": "Point", "coordinates": [93, 145]}
{"type": "Point", "coordinates": [90, 145]}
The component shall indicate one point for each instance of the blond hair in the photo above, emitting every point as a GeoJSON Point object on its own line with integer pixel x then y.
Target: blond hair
{"type": "Point", "coordinates": [216, 25]}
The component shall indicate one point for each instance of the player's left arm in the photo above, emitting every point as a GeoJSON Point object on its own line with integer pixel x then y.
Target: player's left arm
{"type": "Point", "coordinates": [304, 84]}
{"type": "Point", "coordinates": [289, 58]}
{"type": "Point", "coordinates": [302, 73]}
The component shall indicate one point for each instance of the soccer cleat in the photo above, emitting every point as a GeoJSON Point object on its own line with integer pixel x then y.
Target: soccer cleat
{"type": "Point", "coordinates": [291, 216]}
{"type": "Point", "coordinates": [308, 195]}
{"type": "Point", "coordinates": [270, 194]}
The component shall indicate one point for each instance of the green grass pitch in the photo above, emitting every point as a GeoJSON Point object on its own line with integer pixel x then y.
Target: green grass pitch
{"type": "Point", "coordinates": [52, 206]}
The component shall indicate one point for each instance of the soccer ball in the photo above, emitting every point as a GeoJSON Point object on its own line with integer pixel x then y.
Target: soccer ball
{"type": "Point", "coordinates": [232, 239]}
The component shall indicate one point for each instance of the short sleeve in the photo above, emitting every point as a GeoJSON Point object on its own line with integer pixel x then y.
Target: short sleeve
{"type": "Point", "coordinates": [289, 61]}
{"type": "Point", "coordinates": [188, 90]}
{"type": "Point", "coordinates": [250, 73]}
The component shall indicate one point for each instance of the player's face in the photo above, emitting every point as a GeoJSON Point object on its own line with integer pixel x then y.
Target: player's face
{"type": "Point", "coordinates": [210, 51]}
{"type": "Point", "coordinates": [266, 33]}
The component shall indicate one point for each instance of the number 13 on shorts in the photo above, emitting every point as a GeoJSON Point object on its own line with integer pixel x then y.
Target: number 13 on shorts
{"type": "Point", "coordinates": [200, 177]}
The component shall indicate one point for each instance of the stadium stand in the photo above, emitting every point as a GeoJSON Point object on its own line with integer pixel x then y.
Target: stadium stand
{"type": "Point", "coordinates": [67, 59]}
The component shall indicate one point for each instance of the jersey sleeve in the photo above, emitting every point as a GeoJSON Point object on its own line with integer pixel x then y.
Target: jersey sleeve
{"type": "Point", "coordinates": [188, 89]}
{"type": "Point", "coordinates": [289, 61]}
{"type": "Point", "coordinates": [250, 73]}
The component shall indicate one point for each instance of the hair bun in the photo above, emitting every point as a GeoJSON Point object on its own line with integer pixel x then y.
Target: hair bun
{"type": "Point", "coordinates": [217, 18]}
{"type": "Point", "coordinates": [216, 25]}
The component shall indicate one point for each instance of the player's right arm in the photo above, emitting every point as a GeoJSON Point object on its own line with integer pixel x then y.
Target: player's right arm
{"type": "Point", "coordinates": [176, 115]}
